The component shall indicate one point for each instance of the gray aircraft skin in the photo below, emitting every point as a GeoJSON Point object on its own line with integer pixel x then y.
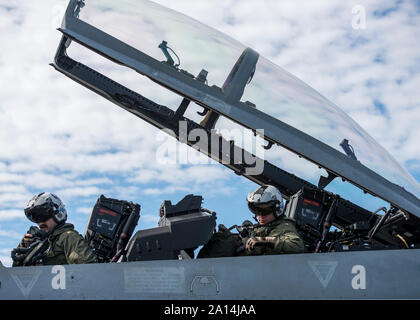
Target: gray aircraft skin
{"type": "Point", "coordinates": [350, 275]}
{"type": "Point", "coordinates": [386, 266]}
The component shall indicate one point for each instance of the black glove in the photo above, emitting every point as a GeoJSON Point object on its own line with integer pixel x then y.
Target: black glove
{"type": "Point", "coordinates": [270, 242]}
{"type": "Point", "coordinates": [32, 235]}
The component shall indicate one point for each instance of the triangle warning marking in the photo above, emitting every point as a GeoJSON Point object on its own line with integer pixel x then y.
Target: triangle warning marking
{"type": "Point", "coordinates": [324, 270]}
{"type": "Point", "coordinates": [25, 280]}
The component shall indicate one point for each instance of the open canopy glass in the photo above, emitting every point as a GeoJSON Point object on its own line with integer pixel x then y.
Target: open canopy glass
{"type": "Point", "coordinates": [143, 25]}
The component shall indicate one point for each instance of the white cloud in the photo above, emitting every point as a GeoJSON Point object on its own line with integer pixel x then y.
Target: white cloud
{"type": "Point", "coordinates": [6, 261]}
{"type": "Point", "coordinates": [79, 192]}
{"type": "Point", "coordinates": [149, 219]}
{"type": "Point", "coordinates": [11, 214]}
{"type": "Point", "coordinates": [10, 234]}
{"type": "Point", "coordinates": [5, 258]}
{"type": "Point", "coordinates": [84, 210]}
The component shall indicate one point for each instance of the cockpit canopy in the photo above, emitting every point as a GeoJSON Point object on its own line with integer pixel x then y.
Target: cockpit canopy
{"type": "Point", "coordinates": [171, 49]}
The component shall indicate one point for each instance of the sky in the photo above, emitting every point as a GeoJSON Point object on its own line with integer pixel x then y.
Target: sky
{"type": "Point", "coordinates": [59, 137]}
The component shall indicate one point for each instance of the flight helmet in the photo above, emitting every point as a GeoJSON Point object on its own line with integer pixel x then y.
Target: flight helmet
{"type": "Point", "coordinates": [45, 206]}
{"type": "Point", "coordinates": [266, 200]}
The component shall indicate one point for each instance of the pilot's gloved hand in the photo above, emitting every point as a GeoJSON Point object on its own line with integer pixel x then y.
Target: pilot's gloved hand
{"type": "Point", "coordinates": [27, 240]}
{"type": "Point", "coordinates": [253, 242]}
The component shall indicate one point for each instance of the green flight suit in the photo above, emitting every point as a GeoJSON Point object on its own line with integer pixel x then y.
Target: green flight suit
{"type": "Point", "coordinates": [289, 240]}
{"type": "Point", "coordinates": [63, 246]}
{"type": "Point", "coordinates": [67, 246]}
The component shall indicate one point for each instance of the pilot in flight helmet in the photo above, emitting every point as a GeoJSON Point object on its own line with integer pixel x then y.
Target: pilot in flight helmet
{"type": "Point", "coordinates": [45, 206]}
{"type": "Point", "coordinates": [266, 200]}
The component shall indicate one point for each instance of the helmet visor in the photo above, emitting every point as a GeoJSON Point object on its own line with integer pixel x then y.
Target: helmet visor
{"type": "Point", "coordinates": [262, 209]}
{"type": "Point", "coordinates": [38, 214]}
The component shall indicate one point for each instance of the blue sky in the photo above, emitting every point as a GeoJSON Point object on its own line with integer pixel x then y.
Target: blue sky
{"type": "Point", "coordinates": [57, 136]}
